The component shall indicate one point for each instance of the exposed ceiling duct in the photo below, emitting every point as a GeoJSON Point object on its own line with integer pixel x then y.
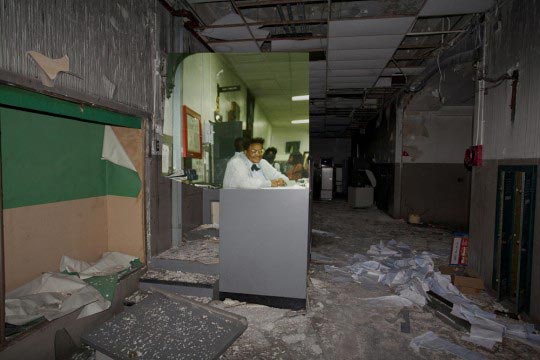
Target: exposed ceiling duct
{"type": "Point", "coordinates": [366, 52]}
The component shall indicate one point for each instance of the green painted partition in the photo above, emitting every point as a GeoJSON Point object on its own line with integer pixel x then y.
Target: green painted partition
{"type": "Point", "coordinates": [48, 159]}
{"type": "Point", "coordinates": [28, 100]}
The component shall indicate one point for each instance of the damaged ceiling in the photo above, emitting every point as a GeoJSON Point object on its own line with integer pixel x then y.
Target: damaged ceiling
{"type": "Point", "coordinates": [362, 53]}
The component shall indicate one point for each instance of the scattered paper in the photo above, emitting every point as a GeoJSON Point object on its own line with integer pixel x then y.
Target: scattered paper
{"type": "Point", "coordinates": [110, 263]}
{"type": "Point", "coordinates": [50, 296]}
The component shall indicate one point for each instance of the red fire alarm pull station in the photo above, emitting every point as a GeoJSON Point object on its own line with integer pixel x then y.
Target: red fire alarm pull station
{"type": "Point", "coordinates": [473, 156]}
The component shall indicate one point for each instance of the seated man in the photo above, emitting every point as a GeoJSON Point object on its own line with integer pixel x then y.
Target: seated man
{"type": "Point", "coordinates": [250, 171]}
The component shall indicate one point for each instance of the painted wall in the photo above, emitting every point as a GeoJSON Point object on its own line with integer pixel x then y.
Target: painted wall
{"type": "Point", "coordinates": [119, 56]}
{"type": "Point", "coordinates": [434, 182]}
{"type": "Point", "coordinates": [510, 44]}
{"type": "Point", "coordinates": [338, 149]}
{"type": "Point", "coordinates": [437, 136]}
{"type": "Point", "coordinates": [199, 75]}
{"type": "Point", "coordinates": [261, 126]}
{"type": "Point", "coordinates": [61, 198]}
{"type": "Point", "coordinates": [379, 147]}
{"type": "Point", "coordinates": [281, 135]}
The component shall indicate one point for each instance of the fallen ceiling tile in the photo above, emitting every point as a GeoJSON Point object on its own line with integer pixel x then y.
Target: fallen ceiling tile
{"type": "Point", "coordinates": [234, 33]}
{"type": "Point", "coordinates": [455, 7]}
{"type": "Point", "coordinates": [295, 45]}
{"type": "Point", "coordinates": [365, 42]}
{"type": "Point", "coordinates": [360, 54]}
{"type": "Point", "coordinates": [363, 27]}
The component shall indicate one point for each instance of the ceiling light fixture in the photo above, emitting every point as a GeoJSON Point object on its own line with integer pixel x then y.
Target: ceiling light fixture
{"type": "Point", "coordinates": [300, 98]}
{"type": "Point", "coordinates": [304, 121]}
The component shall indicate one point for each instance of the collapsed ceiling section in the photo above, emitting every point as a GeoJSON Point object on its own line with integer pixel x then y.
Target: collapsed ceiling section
{"type": "Point", "coordinates": [362, 53]}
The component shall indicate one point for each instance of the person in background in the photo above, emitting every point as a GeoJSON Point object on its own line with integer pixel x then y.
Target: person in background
{"type": "Point", "coordinates": [238, 146]}
{"type": "Point", "coordinates": [250, 171]}
{"type": "Point", "coordinates": [270, 156]}
{"type": "Point", "coordinates": [296, 171]}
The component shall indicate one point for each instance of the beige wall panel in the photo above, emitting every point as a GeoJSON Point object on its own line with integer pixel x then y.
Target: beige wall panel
{"type": "Point", "coordinates": [37, 236]}
{"type": "Point", "coordinates": [126, 225]}
{"type": "Point", "coordinates": [125, 214]}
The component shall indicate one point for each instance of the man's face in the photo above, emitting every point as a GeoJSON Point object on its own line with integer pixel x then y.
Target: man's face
{"type": "Point", "coordinates": [254, 153]}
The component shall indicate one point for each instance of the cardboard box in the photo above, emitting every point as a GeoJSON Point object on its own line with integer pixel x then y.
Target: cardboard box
{"type": "Point", "coordinates": [460, 249]}
{"type": "Point", "coordinates": [467, 284]}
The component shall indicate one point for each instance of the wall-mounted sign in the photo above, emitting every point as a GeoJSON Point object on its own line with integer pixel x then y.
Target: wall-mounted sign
{"type": "Point", "coordinates": [192, 133]}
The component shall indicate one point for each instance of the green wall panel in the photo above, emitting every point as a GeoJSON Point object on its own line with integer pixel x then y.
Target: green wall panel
{"type": "Point", "coordinates": [122, 181]}
{"type": "Point", "coordinates": [48, 159]}
{"type": "Point", "coordinates": [16, 97]}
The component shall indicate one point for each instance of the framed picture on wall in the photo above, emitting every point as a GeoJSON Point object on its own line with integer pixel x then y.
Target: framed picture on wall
{"type": "Point", "coordinates": [292, 147]}
{"type": "Point", "coordinates": [192, 135]}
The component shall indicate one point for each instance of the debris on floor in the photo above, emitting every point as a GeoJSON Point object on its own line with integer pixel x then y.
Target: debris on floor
{"type": "Point", "coordinates": [206, 227]}
{"type": "Point", "coordinates": [179, 277]}
{"type": "Point", "coordinates": [324, 233]}
{"type": "Point", "coordinates": [77, 285]}
{"type": "Point", "coordinates": [164, 326]}
{"type": "Point", "coordinates": [204, 249]}
{"type": "Point", "coordinates": [368, 314]}
{"type": "Point", "coordinates": [431, 341]}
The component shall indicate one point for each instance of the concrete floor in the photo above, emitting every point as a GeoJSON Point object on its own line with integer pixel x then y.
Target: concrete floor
{"type": "Point", "coordinates": [341, 322]}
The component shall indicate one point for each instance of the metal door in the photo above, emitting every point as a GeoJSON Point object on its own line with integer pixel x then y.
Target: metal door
{"type": "Point", "coordinates": [514, 235]}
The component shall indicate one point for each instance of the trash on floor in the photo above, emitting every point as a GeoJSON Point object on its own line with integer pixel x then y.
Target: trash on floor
{"type": "Point", "coordinates": [78, 285]}
{"type": "Point", "coordinates": [110, 263]}
{"type": "Point", "coordinates": [324, 233]}
{"type": "Point", "coordinates": [412, 276]}
{"type": "Point", "coordinates": [51, 296]}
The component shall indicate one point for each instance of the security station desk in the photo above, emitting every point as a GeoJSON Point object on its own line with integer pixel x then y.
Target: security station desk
{"type": "Point", "coordinates": [263, 252]}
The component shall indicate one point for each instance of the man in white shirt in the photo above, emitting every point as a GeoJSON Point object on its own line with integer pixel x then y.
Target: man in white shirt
{"type": "Point", "coordinates": [250, 171]}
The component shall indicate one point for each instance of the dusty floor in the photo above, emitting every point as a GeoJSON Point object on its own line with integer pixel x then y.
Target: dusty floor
{"type": "Point", "coordinates": [341, 322]}
{"type": "Point", "coordinates": [201, 245]}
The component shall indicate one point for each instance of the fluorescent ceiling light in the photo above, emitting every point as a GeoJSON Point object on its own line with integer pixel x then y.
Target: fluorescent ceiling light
{"type": "Point", "coordinates": [304, 121]}
{"type": "Point", "coordinates": [300, 98]}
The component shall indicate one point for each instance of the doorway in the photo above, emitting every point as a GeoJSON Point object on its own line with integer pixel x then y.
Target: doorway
{"type": "Point", "coordinates": [514, 232]}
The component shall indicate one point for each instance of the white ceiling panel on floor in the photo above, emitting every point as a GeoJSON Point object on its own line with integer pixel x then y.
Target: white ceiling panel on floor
{"type": "Point", "coordinates": [236, 32]}
{"type": "Point", "coordinates": [355, 72]}
{"type": "Point", "coordinates": [360, 54]}
{"type": "Point", "coordinates": [236, 46]}
{"type": "Point", "coordinates": [455, 7]}
{"type": "Point", "coordinates": [357, 64]}
{"type": "Point", "coordinates": [365, 42]}
{"type": "Point", "coordinates": [384, 82]}
{"type": "Point", "coordinates": [406, 71]}
{"type": "Point", "coordinates": [298, 45]}
{"type": "Point", "coordinates": [363, 27]}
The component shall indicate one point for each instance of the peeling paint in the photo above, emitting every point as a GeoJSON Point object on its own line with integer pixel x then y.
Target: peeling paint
{"type": "Point", "coordinates": [116, 38]}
